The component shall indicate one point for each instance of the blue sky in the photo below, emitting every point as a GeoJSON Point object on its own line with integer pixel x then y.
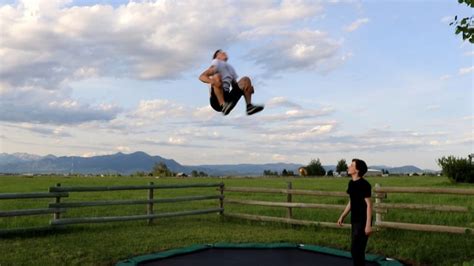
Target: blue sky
{"type": "Point", "coordinates": [386, 81]}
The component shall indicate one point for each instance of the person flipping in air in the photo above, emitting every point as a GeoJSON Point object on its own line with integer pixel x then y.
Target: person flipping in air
{"type": "Point", "coordinates": [225, 89]}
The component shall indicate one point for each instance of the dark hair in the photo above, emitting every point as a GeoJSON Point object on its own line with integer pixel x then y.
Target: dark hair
{"type": "Point", "coordinates": [216, 53]}
{"type": "Point", "coordinates": [361, 166]}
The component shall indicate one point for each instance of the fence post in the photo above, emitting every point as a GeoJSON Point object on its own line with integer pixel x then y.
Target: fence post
{"type": "Point", "coordinates": [289, 200]}
{"type": "Point", "coordinates": [150, 203]}
{"type": "Point", "coordinates": [378, 199]}
{"type": "Point", "coordinates": [57, 200]}
{"type": "Point", "coordinates": [221, 200]}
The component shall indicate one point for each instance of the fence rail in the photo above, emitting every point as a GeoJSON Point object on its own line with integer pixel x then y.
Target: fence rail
{"type": "Point", "coordinates": [59, 207]}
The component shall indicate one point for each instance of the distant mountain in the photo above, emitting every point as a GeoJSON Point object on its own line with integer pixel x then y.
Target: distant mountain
{"type": "Point", "coordinates": [399, 170]}
{"type": "Point", "coordinates": [115, 163]}
{"type": "Point", "coordinates": [140, 161]}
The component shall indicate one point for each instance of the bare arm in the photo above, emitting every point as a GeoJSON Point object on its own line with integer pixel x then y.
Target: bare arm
{"type": "Point", "coordinates": [344, 213]}
{"type": "Point", "coordinates": [368, 201]}
{"type": "Point", "coordinates": [206, 76]}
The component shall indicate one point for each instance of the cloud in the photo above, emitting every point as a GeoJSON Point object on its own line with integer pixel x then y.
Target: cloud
{"type": "Point", "coordinates": [466, 70]}
{"type": "Point", "coordinates": [470, 53]}
{"type": "Point", "coordinates": [445, 77]}
{"type": "Point", "coordinates": [447, 19]}
{"type": "Point", "coordinates": [356, 24]}
{"type": "Point", "coordinates": [33, 105]}
{"type": "Point", "coordinates": [304, 49]}
{"type": "Point", "coordinates": [277, 102]}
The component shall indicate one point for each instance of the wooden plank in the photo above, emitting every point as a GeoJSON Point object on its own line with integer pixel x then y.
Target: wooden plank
{"type": "Point", "coordinates": [287, 204]}
{"type": "Point", "coordinates": [139, 187]}
{"type": "Point", "coordinates": [150, 204]}
{"type": "Point", "coordinates": [456, 191]}
{"type": "Point", "coordinates": [288, 191]}
{"type": "Point", "coordinates": [33, 195]}
{"type": "Point", "coordinates": [221, 198]}
{"type": "Point", "coordinates": [130, 202]}
{"type": "Point", "coordinates": [28, 212]}
{"type": "Point", "coordinates": [25, 230]}
{"type": "Point", "coordinates": [130, 218]}
{"type": "Point", "coordinates": [284, 220]}
{"type": "Point", "coordinates": [426, 227]}
{"type": "Point", "coordinates": [443, 208]}
{"type": "Point", "coordinates": [289, 199]}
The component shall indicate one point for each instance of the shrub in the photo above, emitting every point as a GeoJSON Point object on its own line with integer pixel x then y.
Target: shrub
{"type": "Point", "coordinates": [457, 169]}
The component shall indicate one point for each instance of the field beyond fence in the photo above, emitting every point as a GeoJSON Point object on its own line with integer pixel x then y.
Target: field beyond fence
{"type": "Point", "coordinates": [444, 211]}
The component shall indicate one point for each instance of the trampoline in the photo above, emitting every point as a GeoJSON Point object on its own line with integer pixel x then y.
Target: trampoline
{"type": "Point", "coordinates": [254, 254]}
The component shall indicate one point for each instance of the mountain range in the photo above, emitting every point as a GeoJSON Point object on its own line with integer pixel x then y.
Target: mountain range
{"type": "Point", "coordinates": [141, 161]}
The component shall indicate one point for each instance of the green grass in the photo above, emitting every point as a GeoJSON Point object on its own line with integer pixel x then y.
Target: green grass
{"type": "Point", "coordinates": [105, 244]}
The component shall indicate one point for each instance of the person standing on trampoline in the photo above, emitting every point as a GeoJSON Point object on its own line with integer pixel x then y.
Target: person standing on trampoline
{"type": "Point", "coordinates": [360, 206]}
{"type": "Point", "coordinates": [225, 89]}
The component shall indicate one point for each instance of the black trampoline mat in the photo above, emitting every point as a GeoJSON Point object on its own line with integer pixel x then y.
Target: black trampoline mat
{"type": "Point", "coordinates": [254, 257]}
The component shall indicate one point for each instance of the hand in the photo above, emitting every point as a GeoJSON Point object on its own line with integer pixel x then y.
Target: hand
{"type": "Point", "coordinates": [340, 221]}
{"type": "Point", "coordinates": [368, 230]}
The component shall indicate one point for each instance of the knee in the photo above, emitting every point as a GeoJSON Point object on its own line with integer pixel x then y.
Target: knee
{"type": "Point", "coordinates": [246, 81]}
{"type": "Point", "coordinates": [216, 80]}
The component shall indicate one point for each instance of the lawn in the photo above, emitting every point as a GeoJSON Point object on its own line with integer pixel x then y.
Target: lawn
{"type": "Point", "coordinates": [105, 244]}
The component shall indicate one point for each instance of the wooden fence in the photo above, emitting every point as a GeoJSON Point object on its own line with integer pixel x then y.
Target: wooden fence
{"type": "Point", "coordinates": [58, 206]}
{"type": "Point", "coordinates": [379, 207]}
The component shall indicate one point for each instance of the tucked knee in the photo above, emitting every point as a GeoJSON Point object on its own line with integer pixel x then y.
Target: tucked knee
{"type": "Point", "coordinates": [217, 80]}
{"type": "Point", "coordinates": [246, 81]}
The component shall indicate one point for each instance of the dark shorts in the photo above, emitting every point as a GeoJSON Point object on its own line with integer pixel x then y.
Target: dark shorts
{"type": "Point", "coordinates": [229, 96]}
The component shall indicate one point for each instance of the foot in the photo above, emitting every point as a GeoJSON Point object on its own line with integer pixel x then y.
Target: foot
{"type": "Point", "coordinates": [227, 107]}
{"type": "Point", "coordinates": [252, 109]}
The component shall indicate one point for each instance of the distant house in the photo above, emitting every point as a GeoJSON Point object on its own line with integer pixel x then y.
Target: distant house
{"type": "Point", "coordinates": [302, 171]}
{"type": "Point", "coordinates": [373, 172]}
{"type": "Point", "coordinates": [340, 174]}
{"type": "Point", "coordinates": [181, 175]}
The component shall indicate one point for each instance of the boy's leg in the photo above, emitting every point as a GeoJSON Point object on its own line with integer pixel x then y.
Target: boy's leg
{"type": "Point", "coordinates": [359, 243]}
{"type": "Point", "coordinates": [218, 89]}
{"type": "Point", "coordinates": [245, 84]}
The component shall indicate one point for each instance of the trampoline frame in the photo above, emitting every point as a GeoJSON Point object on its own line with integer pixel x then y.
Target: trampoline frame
{"type": "Point", "coordinates": [381, 260]}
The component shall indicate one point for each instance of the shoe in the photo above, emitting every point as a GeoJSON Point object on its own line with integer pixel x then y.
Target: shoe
{"type": "Point", "coordinates": [227, 107]}
{"type": "Point", "coordinates": [252, 109]}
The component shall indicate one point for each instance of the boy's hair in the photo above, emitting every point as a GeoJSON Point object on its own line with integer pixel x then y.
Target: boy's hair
{"type": "Point", "coordinates": [216, 53]}
{"type": "Point", "coordinates": [361, 166]}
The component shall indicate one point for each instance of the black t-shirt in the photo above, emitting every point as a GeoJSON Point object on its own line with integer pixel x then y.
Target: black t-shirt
{"type": "Point", "coordinates": [358, 191]}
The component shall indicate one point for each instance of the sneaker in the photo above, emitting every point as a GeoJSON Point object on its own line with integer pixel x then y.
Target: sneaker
{"type": "Point", "coordinates": [252, 109]}
{"type": "Point", "coordinates": [227, 107]}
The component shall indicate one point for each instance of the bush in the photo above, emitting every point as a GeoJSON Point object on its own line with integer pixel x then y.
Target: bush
{"type": "Point", "coordinates": [458, 170]}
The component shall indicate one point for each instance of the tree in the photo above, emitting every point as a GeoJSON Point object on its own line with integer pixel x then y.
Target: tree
{"type": "Point", "coordinates": [194, 173]}
{"type": "Point", "coordinates": [466, 24]}
{"type": "Point", "coordinates": [330, 173]}
{"type": "Point", "coordinates": [315, 168]}
{"type": "Point", "coordinates": [161, 169]}
{"type": "Point", "coordinates": [457, 169]}
{"type": "Point", "coordinates": [284, 172]}
{"type": "Point", "coordinates": [341, 166]}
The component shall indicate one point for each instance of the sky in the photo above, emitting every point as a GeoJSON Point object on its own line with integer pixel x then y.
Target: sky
{"type": "Point", "coordinates": [385, 81]}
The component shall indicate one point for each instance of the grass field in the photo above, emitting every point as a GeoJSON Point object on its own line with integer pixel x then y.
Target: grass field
{"type": "Point", "coordinates": [105, 244]}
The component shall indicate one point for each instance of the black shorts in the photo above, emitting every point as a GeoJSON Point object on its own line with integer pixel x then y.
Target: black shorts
{"type": "Point", "coordinates": [229, 96]}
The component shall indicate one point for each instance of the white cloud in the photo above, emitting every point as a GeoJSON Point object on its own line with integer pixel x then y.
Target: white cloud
{"type": "Point", "coordinates": [470, 53]}
{"type": "Point", "coordinates": [447, 19]}
{"type": "Point", "coordinates": [34, 105]}
{"type": "Point", "coordinates": [466, 70]}
{"type": "Point", "coordinates": [356, 24]}
{"type": "Point", "coordinates": [445, 77]}
{"type": "Point", "coordinates": [123, 148]}
{"type": "Point", "coordinates": [297, 50]}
